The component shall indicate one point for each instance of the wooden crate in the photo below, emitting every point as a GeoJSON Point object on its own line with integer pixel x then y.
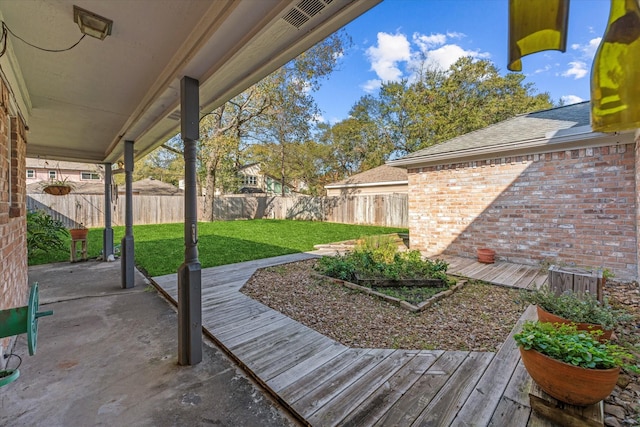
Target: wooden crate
{"type": "Point", "coordinates": [578, 280]}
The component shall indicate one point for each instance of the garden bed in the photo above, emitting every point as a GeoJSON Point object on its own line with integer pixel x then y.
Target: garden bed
{"type": "Point", "coordinates": [477, 317]}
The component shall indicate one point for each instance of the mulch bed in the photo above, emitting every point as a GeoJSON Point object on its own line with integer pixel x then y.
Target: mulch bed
{"type": "Point", "coordinates": [478, 317]}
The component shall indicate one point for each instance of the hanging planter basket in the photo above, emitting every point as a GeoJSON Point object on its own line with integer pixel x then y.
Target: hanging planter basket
{"type": "Point", "coordinates": [57, 190]}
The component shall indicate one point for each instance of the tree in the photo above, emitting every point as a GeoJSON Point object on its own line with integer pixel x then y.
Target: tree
{"type": "Point", "coordinates": [441, 104]}
{"type": "Point", "coordinates": [287, 123]}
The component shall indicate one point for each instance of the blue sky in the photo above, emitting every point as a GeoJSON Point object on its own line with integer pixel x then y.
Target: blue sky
{"type": "Point", "coordinates": [388, 38]}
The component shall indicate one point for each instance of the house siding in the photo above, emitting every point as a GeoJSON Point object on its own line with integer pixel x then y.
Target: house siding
{"type": "Point", "coordinates": [13, 228]}
{"type": "Point", "coordinates": [576, 206]}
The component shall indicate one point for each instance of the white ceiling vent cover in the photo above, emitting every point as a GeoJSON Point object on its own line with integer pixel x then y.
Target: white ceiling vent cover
{"type": "Point", "coordinates": [305, 10]}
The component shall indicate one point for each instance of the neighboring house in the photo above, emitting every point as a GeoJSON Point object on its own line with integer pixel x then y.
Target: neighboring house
{"type": "Point", "coordinates": [39, 170]}
{"type": "Point", "coordinates": [252, 180]}
{"type": "Point", "coordinates": [537, 187]}
{"type": "Point", "coordinates": [384, 179]}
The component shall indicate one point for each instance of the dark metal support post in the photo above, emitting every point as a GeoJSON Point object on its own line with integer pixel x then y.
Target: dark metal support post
{"type": "Point", "coordinates": [127, 266]}
{"type": "Point", "coordinates": [107, 233]}
{"type": "Point", "coordinates": [189, 274]}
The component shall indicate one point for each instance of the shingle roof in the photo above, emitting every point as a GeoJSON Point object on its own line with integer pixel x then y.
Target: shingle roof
{"type": "Point", "coordinates": [381, 174]}
{"type": "Point", "coordinates": [524, 127]}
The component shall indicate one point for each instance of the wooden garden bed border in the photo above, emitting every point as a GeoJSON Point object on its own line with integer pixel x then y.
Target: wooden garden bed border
{"type": "Point", "coordinates": [396, 301]}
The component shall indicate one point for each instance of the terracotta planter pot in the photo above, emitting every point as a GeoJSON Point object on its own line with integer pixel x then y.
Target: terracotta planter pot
{"type": "Point", "coordinates": [78, 233]}
{"type": "Point", "coordinates": [545, 316]}
{"type": "Point", "coordinates": [568, 383]}
{"type": "Point", "coordinates": [486, 256]}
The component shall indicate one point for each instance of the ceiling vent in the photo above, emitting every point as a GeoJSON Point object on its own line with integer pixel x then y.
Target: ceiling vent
{"type": "Point", "coordinates": [304, 11]}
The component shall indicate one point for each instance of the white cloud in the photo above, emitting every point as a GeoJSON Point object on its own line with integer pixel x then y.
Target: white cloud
{"type": "Point", "coordinates": [445, 56]}
{"type": "Point", "coordinates": [319, 118]}
{"type": "Point", "coordinates": [589, 49]}
{"type": "Point", "coordinates": [371, 86]}
{"type": "Point", "coordinates": [578, 70]}
{"type": "Point", "coordinates": [394, 57]}
{"type": "Point", "coordinates": [425, 42]}
{"type": "Point", "coordinates": [570, 99]}
{"type": "Point", "coordinates": [384, 57]}
{"type": "Point", "coordinates": [543, 69]}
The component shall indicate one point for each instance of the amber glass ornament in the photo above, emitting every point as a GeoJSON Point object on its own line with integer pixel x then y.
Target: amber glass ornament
{"type": "Point", "coordinates": [615, 75]}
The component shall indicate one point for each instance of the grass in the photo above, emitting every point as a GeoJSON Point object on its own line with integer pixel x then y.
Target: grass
{"type": "Point", "coordinates": [159, 248]}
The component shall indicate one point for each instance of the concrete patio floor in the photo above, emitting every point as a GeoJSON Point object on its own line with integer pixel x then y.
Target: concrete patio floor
{"type": "Point", "coordinates": [108, 356]}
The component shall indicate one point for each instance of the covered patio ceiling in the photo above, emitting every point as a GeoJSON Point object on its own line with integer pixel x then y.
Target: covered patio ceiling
{"type": "Point", "coordinates": [80, 104]}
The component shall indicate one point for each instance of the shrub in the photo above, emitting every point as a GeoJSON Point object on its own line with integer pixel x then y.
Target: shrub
{"type": "Point", "coordinates": [372, 264]}
{"type": "Point", "coordinates": [578, 308]}
{"type": "Point", "coordinates": [579, 348]}
{"type": "Point", "coordinates": [44, 233]}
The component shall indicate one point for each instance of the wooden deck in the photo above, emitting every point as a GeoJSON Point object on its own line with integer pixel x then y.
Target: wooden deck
{"type": "Point", "coordinates": [325, 383]}
{"type": "Point", "coordinates": [499, 273]}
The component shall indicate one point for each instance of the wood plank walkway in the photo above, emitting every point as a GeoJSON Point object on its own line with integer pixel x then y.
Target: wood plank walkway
{"type": "Point", "coordinates": [325, 383]}
{"type": "Point", "coordinates": [500, 273]}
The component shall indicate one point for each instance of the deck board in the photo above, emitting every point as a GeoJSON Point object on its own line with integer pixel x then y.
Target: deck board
{"type": "Point", "coordinates": [327, 384]}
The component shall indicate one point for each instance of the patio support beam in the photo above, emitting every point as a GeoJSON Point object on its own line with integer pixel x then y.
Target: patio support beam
{"type": "Point", "coordinates": [189, 273]}
{"type": "Point", "coordinates": [107, 233]}
{"type": "Point", "coordinates": [126, 248]}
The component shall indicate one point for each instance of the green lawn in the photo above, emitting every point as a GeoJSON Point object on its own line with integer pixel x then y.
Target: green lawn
{"type": "Point", "coordinates": [159, 249]}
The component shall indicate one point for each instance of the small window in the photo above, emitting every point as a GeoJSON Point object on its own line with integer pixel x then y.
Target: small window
{"type": "Point", "coordinates": [31, 173]}
{"type": "Point", "coordinates": [249, 180]}
{"type": "Point", "coordinates": [52, 175]}
{"type": "Point", "coordinates": [86, 176]}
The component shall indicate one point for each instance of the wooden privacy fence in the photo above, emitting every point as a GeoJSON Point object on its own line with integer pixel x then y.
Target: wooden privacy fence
{"type": "Point", "coordinates": [386, 210]}
{"type": "Point", "coordinates": [89, 208]}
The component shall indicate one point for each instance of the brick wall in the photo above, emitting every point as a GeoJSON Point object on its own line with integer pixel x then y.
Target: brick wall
{"type": "Point", "coordinates": [575, 206]}
{"type": "Point", "coordinates": [13, 229]}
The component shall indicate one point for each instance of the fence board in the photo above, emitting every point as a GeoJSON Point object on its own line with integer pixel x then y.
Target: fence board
{"type": "Point", "coordinates": [389, 210]}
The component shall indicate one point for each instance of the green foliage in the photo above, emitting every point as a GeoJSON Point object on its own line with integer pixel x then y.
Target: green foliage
{"type": "Point", "coordinates": [436, 106]}
{"type": "Point", "coordinates": [44, 233]}
{"type": "Point", "coordinates": [382, 247]}
{"type": "Point", "coordinates": [581, 309]}
{"type": "Point", "coordinates": [567, 344]}
{"type": "Point", "coordinates": [370, 263]}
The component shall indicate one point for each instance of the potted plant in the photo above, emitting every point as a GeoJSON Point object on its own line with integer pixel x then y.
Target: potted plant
{"type": "Point", "coordinates": [571, 365]}
{"type": "Point", "coordinates": [79, 231]}
{"type": "Point", "coordinates": [585, 310]}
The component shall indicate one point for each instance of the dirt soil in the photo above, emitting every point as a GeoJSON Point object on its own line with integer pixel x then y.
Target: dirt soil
{"type": "Point", "coordinates": [479, 317]}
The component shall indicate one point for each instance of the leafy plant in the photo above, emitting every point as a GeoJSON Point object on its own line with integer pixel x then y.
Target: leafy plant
{"type": "Point", "coordinates": [578, 308]}
{"type": "Point", "coordinates": [44, 233]}
{"type": "Point", "coordinates": [370, 263]}
{"type": "Point", "coordinates": [565, 343]}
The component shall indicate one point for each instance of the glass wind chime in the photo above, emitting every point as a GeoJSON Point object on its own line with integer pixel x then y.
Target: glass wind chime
{"type": "Point", "coordinates": [537, 25]}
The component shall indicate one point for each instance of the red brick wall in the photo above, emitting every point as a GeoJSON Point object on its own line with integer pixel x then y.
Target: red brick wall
{"type": "Point", "coordinates": [13, 247]}
{"type": "Point", "coordinates": [575, 206]}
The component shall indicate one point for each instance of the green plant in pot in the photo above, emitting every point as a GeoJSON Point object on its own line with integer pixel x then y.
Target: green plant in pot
{"type": "Point", "coordinates": [571, 365]}
{"type": "Point", "coordinates": [585, 310]}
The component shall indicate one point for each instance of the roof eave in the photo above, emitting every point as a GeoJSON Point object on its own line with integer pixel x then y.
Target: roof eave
{"type": "Point", "coordinates": [559, 142]}
{"type": "Point", "coordinates": [366, 184]}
